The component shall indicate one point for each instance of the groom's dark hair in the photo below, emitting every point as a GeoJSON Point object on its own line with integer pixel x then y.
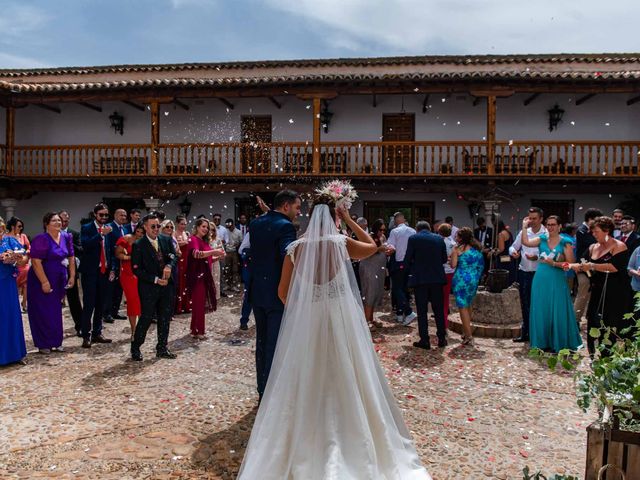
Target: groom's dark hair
{"type": "Point", "coordinates": [284, 197]}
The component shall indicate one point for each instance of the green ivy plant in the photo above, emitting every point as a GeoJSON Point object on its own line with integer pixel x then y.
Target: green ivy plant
{"type": "Point", "coordinates": [527, 475]}
{"type": "Point", "coordinates": [613, 383]}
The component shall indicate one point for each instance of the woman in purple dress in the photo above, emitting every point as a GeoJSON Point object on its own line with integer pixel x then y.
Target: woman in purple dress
{"type": "Point", "coordinates": [52, 271]}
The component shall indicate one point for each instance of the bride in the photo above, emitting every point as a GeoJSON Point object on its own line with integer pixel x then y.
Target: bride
{"type": "Point", "coordinates": [327, 412]}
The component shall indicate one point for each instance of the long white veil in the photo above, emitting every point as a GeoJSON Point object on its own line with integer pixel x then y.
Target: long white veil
{"type": "Point", "coordinates": [327, 411]}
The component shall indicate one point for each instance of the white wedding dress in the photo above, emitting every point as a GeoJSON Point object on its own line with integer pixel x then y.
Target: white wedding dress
{"type": "Point", "coordinates": [327, 412]}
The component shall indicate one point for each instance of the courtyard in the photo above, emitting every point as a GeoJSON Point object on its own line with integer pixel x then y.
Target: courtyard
{"type": "Point", "coordinates": [481, 412]}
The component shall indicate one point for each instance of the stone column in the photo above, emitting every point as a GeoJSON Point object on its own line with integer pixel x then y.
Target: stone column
{"type": "Point", "coordinates": [9, 205]}
{"type": "Point", "coordinates": [152, 204]}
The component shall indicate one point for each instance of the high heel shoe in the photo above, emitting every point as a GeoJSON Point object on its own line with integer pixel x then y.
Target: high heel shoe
{"type": "Point", "coordinates": [467, 341]}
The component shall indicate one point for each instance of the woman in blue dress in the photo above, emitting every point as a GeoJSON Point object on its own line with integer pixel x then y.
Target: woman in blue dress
{"type": "Point", "coordinates": [552, 320]}
{"type": "Point", "coordinates": [468, 261]}
{"type": "Point", "coordinates": [12, 346]}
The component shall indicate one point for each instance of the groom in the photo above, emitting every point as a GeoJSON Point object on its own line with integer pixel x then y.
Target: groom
{"type": "Point", "coordinates": [271, 234]}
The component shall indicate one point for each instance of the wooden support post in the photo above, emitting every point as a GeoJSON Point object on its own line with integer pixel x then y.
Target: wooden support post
{"type": "Point", "coordinates": [10, 139]}
{"type": "Point", "coordinates": [155, 137]}
{"type": "Point", "coordinates": [491, 134]}
{"type": "Point", "coordinates": [316, 136]}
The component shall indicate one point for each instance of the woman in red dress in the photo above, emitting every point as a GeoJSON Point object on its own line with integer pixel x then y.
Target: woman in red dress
{"type": "Point", "coordinates": [200, 284]}
{"type": "Point", "coordinates": [15, 228]}
{"type": "Point", "coordinates": [183, 302]}
{"type": "Point", "coordinates": [129, 282]}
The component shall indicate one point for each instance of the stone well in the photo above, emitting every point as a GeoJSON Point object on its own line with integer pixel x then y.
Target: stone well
{"type": "Point", "coordinates": [495, 315]}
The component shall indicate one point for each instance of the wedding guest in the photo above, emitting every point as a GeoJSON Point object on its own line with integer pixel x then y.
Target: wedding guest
{"type": "Point", "coordinates": [628, 236]}
{"type": "Point", "coordinates": [454, 229]}
{"type": "Point", "coordinates": [95, 274]}
{"type": "Point", "coordinates": [484, 235]}
{"type": "Point", "coordinates": [182, 237]}
{"type": "Point", "coordinates": [468, 261]}
{"type": "Point", "coordinates": [584, 239]}
{"type": "Point", "coordinates": [128, 281]}
{"type": "Point", "coordinates": [152, 260]}
{"type": "Point", "coordinates": [200, 283]}
{"type": "Point", "coordinates": [222, 236]}
{"type": "Point", "coordinates": [15, 228]}
{"type": "Point", "coordinates": [12, 254]}
{"type": "Point", "coordinates": [373, 271]}
{"type": "Point", "coordinates": [245, 258]}
{"type": "Point", "coordinates": [552, 320]}
{"type": "Point", "coordinates": [607, 260]}
{"type": "Point", "coordinates": [135, 214]}
{"type": "Point", "coordinates": [569, 231]}
{"type": "Point", "coordinates": [168, 228]}
{"type": "Point", "coordinates": [113, 294]}
{"type": "Point", "coordinates": [397, 244]}
{"type": "Point", "coordinates": [73, 293]}
{"type": "Point", "coordinates": [528, 264]}
{"type": "Point", "coordinates": [216, 262]}
{"type": "Point", "coordinates": [243, 225]}
{"type": "Point", "coordinates": [633, 268]}
{"type": "Point", "coordinates": [504, 260]}
{"type": "Point", "coordinates": [232, 259]}
{"type": "Point", "coordinates": [617, 216]}
{"type": "Point", "coordinates": [53, 269]}
{"type": "Point", "coordinates": [444, 230]}
{"type": "Point", "coordinates": [426, 254]}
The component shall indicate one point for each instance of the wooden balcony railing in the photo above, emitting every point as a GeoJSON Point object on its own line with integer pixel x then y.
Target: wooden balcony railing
{"type": "Point", "coordinates": [3, 161]}
{"type": "Point", "coordinates": [438, 158]}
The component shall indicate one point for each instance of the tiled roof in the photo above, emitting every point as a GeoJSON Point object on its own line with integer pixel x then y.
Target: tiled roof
{"type": "Point", "coordinates": [611, 68]}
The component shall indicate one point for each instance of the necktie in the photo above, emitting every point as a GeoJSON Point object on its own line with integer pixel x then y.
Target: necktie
{"type": "Point", "coordinates": [103, 257]}
{"type": "Point", "coordinates": [121, 230]}
{"type": "Point", "coordinates": [623, 239]}
{"type": "Point", "coordinates": [155, 244]}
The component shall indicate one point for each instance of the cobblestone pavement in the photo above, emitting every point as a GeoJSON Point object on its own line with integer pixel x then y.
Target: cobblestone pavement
{"type": "Point", "coordinates": [474, 413]}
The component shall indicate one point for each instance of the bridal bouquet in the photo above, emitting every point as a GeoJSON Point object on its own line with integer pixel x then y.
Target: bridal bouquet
{"type": "Point", "coordinates": [341, 190]}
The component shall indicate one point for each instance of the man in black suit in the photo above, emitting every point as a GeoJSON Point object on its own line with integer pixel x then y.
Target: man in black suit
{"type": "Point", "coordinates": [627, 233]}
{"type": "Point", "coordinates": [94, 273]}
{"type": "Point", "coordinates": [152, 260]}
{"type": "Point", "coordinates": [424, 260]}
{"type": "Point", "coordinates": [73, 294]}
{"type": "Point", "coordinates": [583, 240]}
{"type": "Point", "coordinates": [484, 235]}
{"type": "Point", "coordinates": [113, 295]}
{"type": "Point", "coordinates": [134, 217]}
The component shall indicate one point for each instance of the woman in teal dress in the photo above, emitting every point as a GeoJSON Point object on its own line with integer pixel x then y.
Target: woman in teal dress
{"type": "Point", "coordinates": [468, 261]}
{"type": "Point", "coordinates": [552, 318]}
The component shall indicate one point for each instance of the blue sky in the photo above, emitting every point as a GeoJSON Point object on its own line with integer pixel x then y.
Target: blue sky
{"type": "Point", "coordinates": [37, 33]}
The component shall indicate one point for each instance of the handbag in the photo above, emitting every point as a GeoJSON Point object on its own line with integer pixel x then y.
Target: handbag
{"type": "Point", "coordinates": [600, 309]}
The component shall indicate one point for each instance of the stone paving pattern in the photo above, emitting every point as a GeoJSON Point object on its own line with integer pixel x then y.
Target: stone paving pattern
{"type": "Point", "coordinates": [482, 412]}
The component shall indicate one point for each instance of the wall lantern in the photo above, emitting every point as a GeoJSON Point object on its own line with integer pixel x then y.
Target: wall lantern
{"type": "Point", "coordinates": [325, 116]}
{"type": "Point", "coordinates": [555, 117]}
{"type": "Point", "coordinates": [185, 206]}
{"type": "Point", "coordinates": [117, 122]}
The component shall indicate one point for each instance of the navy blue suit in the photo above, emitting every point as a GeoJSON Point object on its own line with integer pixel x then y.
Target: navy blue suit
{"type": "Point", "coordinates": [426, 254]}
{"type": "Point", "coordinates": [94, 283]}
{"type": "Point", "coordinates": [271, 234]}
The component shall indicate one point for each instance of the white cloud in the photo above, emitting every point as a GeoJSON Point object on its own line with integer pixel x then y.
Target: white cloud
{"type": "Point", "coordinates": [472, 26]}
{"type": "Point", "coordinates": [19, 20]}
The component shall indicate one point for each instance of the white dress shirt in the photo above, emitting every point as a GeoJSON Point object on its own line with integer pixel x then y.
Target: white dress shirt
{"type": "Point", "coordinates": [527, 265]}
{"type": "Point", "coordinates": [450, 244]}
{"type": "Point", "coordinates": [398, 239]}
{"type": "Point", "coordinates": [223, 233]}
{"type": "Point", "coordinates": [246, 243]}
{"type": "Point", "coordinates": [454, 231]}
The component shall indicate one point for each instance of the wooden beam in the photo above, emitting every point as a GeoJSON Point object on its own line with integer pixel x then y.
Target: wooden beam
{"type": "Point", "coordinates": [155, 136]}
{"type": "Point", "coordinates": [425, 103]}
{"type": "Point", "coordinates": [134, 105]}
{"type": "Point", "coordinates": [375, 101]}
{"type": "Point", "coordinates": [633, 100]}
{"type": "Point", "coordinates": [321, 95]}
{"type": "Point", "coordinates": [491, 134]}
{"type": "Point", "coordinates": [226, 102]}
{"type": "Point", "coordinates": [182, 105]}
{"type": "Point", "coordinates": [581, 100]}
{"type": "Point", "coordinates": [476, 101]}
{"type": "Point", "coordinates": [275, 102]}
{"type": "Point", "coordinates": [91, 106]}
{"type": "Point", "coordinates": [530, 99]}
{"type": "Point", "coordinates": [10, 136]}
{"type": "Point", "coordinates": [492, 93]}
{"type": "Point", "coordinates": [316, 136]}
{"type": "Point", "coordinates": [51, 108]}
